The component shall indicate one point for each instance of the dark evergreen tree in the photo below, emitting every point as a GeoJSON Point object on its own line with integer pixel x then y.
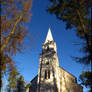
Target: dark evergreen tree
{"type": "Point", "coordinates": [20, 84]}
{"type": "Point", "coordinates": [77, 15]}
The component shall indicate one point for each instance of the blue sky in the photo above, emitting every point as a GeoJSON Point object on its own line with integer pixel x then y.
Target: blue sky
{"type": "Point", "coordinates": [28, 62]}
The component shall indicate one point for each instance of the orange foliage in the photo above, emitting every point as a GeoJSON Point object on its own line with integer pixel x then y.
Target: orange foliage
{"type": "Point", "coordinates": [3, 18]}
{"type": "Point", "coordinates": [11, 11]}
{"type": "Point", "coordinates": [5, 62]}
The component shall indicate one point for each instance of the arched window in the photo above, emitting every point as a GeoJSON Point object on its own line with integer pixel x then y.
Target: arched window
{"type": "Point", "coordinates": [45, 74]}
{"type": "Point", "coordinates": [48, 74]}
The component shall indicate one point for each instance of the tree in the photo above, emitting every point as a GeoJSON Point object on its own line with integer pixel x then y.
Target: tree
{"type": "Point", "coordinates": [14, 15]}
{"type": "Point", "coordinates": [85, 78]}
{"type": "Point", "coordinates": [77, 15]}
{"type": "Point", "coordinates": [12, 79]}
{"type": "Point", "coordinates": [6, 65]}
{"type": "Point", "coordinates": [28, 85]}
{"type": "Point", "coordinates": [16, 81]}
{"type": "Point", "coordinates": [20, 84]}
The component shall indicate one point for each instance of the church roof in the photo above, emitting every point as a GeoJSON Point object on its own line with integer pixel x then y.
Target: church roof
{"type": "Point", "coordinates": [34, 78]}
{"type": "Point", "coordinates": [67, 72]}
{"type": "Point", "coordinates": [49, 36]}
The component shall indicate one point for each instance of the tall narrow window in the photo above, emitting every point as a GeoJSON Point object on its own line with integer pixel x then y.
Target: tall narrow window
{"type": "Point", "coordinates": [45, 74]}
{"type": "Point", "coordinates": [48, 74]}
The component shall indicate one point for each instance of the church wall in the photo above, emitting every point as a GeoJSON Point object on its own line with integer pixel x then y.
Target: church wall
{"type": "Point", "coordinates": [68, 82]}
{"type": "Point", "coordinates": [45, 84]}
{"type": "Point", "coordinates": [33, 87]}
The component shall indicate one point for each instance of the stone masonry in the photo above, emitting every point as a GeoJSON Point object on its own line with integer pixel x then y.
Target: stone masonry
{"type": "Point", "coordinates": [51, 77]}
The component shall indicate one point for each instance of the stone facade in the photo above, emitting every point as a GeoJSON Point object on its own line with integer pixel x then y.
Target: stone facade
{"type": "Point", "coordinates": [68, 82]}
{"type": "Point", "coordinates": [51, 77]}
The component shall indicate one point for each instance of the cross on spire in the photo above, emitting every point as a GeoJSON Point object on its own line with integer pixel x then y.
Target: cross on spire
{"type": "Point", "coordinates": [49, 36]}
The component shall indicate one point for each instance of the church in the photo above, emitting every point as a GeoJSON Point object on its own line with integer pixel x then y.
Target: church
{"type": "Point", "coordinates": [51, 77]}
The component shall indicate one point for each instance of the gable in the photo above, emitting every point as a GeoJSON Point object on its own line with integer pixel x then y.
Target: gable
{"type": "Point", "coordinates": [68, 82]}
{"type": "Point", "coordinates": [33, 87]}
{"type": "Point", "coordinates": [67, 73]}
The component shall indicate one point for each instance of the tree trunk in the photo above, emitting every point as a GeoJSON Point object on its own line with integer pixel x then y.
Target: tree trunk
{"type": "Point", "coordinates": [4, 46]}
{"type": "Point", "coordinates": [88, 36]}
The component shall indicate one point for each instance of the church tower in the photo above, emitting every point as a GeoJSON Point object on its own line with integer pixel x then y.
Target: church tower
{"type": "Point", "coordinates": [51, 77]}
{"type": "Point", "coordinates": [48, 74]}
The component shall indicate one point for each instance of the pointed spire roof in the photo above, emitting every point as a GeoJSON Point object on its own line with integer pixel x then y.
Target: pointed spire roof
{"type": "Point", "coordinates": [49, 36]}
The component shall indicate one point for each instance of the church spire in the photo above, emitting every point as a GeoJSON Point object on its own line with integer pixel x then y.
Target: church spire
{"type": "Point", "coordinates": [49, 36]}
